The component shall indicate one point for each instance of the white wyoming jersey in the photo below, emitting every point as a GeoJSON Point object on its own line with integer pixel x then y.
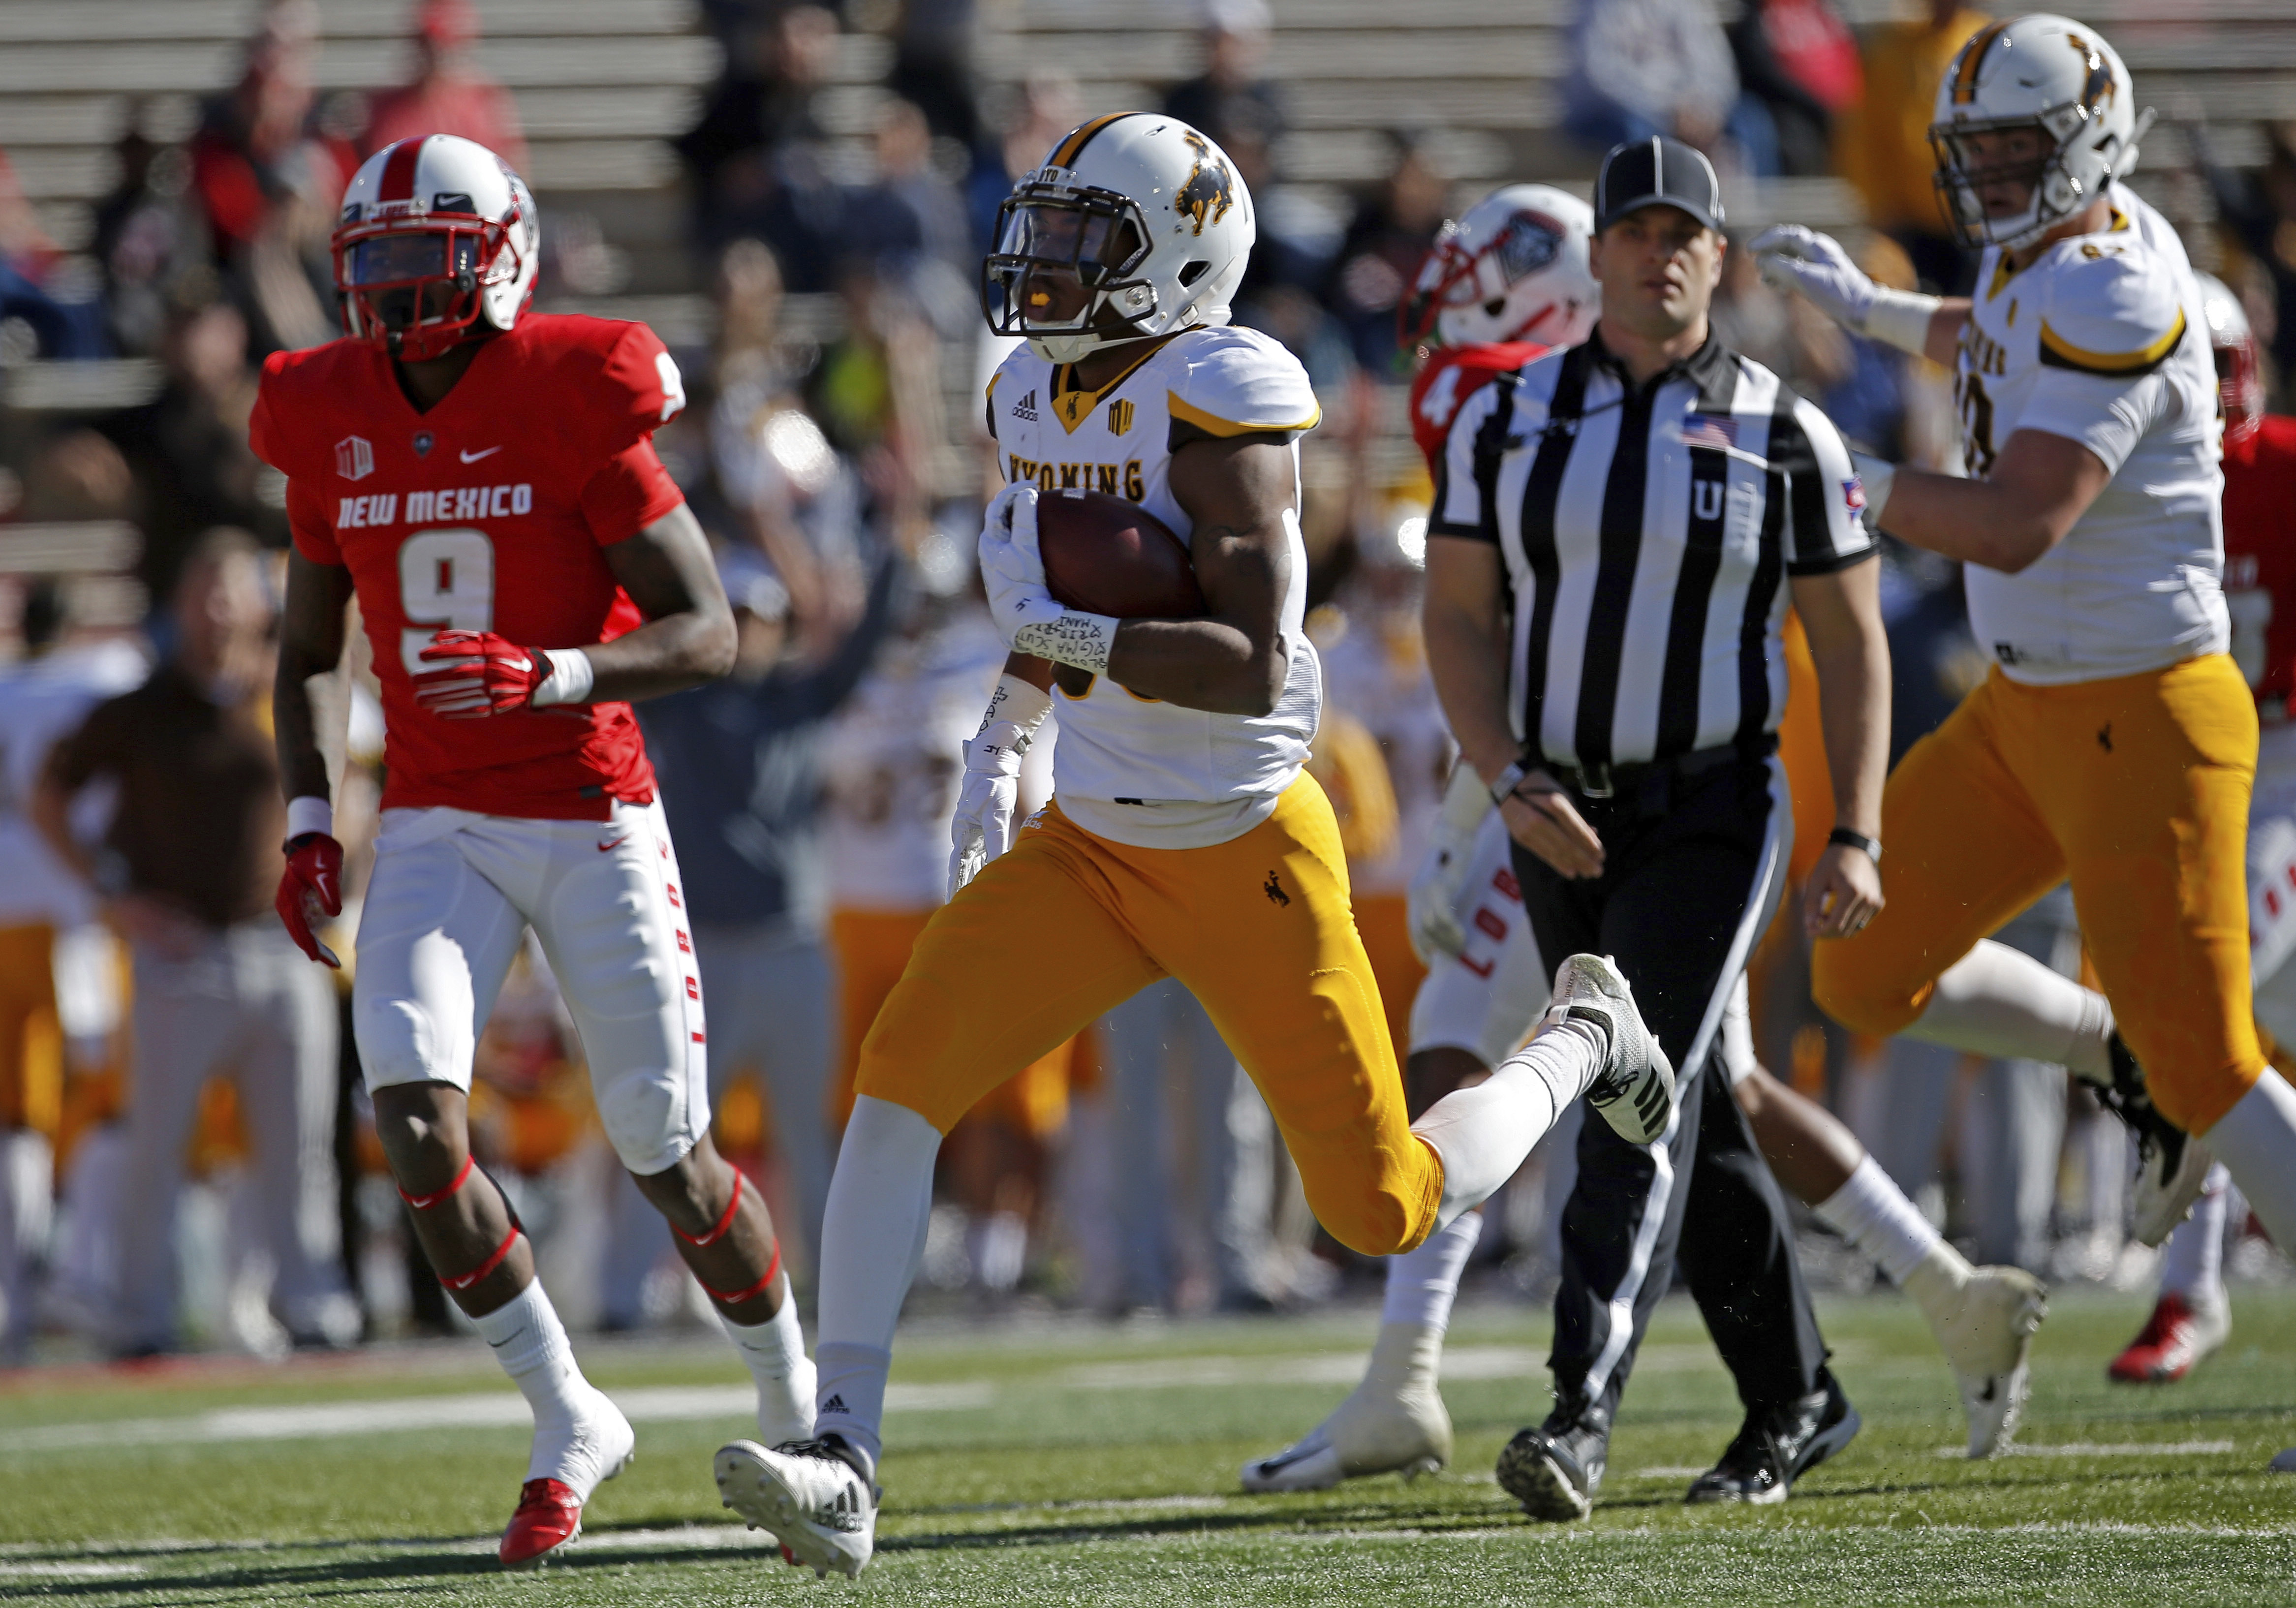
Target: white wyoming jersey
{"type": "Point", "coordinates": [2103, 342]}
{"type": "Point", "coordinates": [42, 703]}
{"type": "Point", "coordinates": [1135, 770]}
{"type": "Point", "coordinates": [1377, 672]}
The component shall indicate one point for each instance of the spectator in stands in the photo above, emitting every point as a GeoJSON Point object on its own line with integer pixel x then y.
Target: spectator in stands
{"type": "Point", "coordinates": [1233, 99]}
{"type": "Point", "coordinates": [1380, 254]}
{"type": "Point", "coordinates": [1799, 58]}
{"type": "Point", "coordinates": [912, 222]}
{"type": "Point", "coordinates": [266, 179]}
{"type": "Point", "coordinates": [2260, 210]}
{"type": "Point", "coordinates": [187, 872]}
{"type": "Point", "coordinates": [448, 94]}
{"type": "Point", "coordinates": [39, 316]}
{"type": "Point", "coordinates": [876, 393]}
{"type": "Point", "coordinates": [740, 762]}
{"type": "Point", "coordinates": [147, 240]}
{"type": "Point", "coordinates": [1645, 66]}
{"type": "Point", "coordinates": [188, 448]}
{"type": "Point", "coordinates": [933, 66]}
{"type": "Point", "coordinates": [1882, 142]}
{"type": "Point", "coordinates": [1046, 106]}
{"type": "Point", "coordinates": [758, 154]}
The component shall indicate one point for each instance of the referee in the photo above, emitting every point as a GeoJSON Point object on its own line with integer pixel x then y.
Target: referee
{"type": "Point", "coordinates": [1619, 529]}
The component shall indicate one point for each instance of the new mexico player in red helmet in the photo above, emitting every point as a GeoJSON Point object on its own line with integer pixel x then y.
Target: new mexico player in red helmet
{"type": "Point", "coordinates": [482, 479]}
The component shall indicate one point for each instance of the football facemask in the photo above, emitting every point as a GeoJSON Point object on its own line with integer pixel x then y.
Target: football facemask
{"type": "Point", "coordinates": [415, 287]}
{"type": "Point", "coordinates": [1061, 263]}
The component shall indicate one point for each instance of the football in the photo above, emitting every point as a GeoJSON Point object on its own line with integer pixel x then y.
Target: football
{"type": "Point", "coordinates": [1109, 556]}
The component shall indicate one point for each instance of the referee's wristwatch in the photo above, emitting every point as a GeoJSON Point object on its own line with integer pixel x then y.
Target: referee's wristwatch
{"type": "Point", "coordinates": [1509, 780]}
{"type": "Point", "coordinates": [1857, 839]}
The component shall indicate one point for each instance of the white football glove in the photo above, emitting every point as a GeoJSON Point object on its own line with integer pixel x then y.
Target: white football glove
{"type": "Point", "coordinates": [1027, 615]}
{"type": "Point", "coordinates": [1432, 903]}
{"type": "Point", "coordinates": [1795, 258]}
{"type": "Point", "coordinates": [992, 791]}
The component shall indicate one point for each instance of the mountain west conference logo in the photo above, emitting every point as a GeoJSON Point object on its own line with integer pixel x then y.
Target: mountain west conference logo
{"type": "Point", "coordinates": [353, 458]}
{"type": "Point", "coordinates": [1211, 189]}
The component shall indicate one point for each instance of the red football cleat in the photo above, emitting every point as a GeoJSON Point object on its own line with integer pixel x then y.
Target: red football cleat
{"type": "Point", "coordinates": [2174, 1339]}
{"type": "Point", "coordinates": [549, 1515]}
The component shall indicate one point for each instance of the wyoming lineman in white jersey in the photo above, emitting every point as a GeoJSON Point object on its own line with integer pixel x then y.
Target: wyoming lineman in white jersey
{"type": "Point", "coordinates": [1184, 838]}
{"type": "Point", "coordinates": [2114, 742]}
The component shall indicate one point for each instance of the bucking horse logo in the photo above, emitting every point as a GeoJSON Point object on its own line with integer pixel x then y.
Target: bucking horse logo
{"type": "Point", "coordinates": [1211, 189]}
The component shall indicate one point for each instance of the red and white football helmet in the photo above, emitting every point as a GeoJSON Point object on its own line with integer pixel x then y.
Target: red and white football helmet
{"type": "Point", "coordinates": [2240, 377]}
{"type": "Point", "coordinates": [1513, 268]}
{"type": "Point", "coordinates": [431, 213]}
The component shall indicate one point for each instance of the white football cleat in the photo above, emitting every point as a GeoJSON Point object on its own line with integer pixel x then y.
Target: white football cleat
{"type": "Point", "coordinates": [1634, 1091]}
{"type": "Point", "coordinates": [811, 1500]}
{"type": "Point", "coordinates": [1393, 1423]}
{"type": "Point", "coordinates": [1984, 1319]}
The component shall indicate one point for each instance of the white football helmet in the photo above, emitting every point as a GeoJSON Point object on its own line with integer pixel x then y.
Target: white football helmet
{"type": "Point", "coordinates": [2041, 74]}
{"type": "Point", "coordinates": [2240, 377]}
{"type": "Point", "coordinates": [1513, 267]}
{"type": "Point", "coordinates": [437, 210]}
{"type": "Point", "coordinates": [1136, 225]}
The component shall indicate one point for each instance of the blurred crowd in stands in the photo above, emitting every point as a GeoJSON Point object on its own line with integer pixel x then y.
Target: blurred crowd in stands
{"type": "Point", "coordinates": [832, 448]}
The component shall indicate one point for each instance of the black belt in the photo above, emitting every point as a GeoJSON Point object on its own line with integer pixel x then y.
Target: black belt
{"type": "Point", "coordinates": [1602, 781]}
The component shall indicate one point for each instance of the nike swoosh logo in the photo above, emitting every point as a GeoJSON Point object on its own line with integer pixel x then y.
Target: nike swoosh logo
{"type": "Point", "coordinates": [472, 457]}
{"type": "Point", "coordinates": [617, 843]}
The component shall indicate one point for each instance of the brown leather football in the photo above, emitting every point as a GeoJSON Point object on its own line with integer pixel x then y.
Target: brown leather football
{"type": "Point", "coordinates": [1107, 556]}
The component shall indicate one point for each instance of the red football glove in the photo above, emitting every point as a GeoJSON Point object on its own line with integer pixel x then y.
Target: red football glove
{"type": "Point", "coordinates": [479, 674]}
{"type": "Point", "coordinates": [311, 891]}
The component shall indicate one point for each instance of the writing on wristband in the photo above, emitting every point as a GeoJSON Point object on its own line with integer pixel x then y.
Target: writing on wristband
{"type": "Point", "coordinates": [1847, 839]}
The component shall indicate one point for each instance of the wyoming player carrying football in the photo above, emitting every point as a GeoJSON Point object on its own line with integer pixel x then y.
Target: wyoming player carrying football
{"type": "Point", "coordinates": [1183, 838]}
{"type": "Point", "coordinates": [2116, 740]}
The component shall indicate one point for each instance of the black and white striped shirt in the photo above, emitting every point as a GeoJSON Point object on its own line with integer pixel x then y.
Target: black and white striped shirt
{"type": "Point", "coordinates": [1646, 532]}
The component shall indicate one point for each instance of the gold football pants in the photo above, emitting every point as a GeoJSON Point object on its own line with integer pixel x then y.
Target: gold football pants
{"type": "Point", "coordinates": [1067, 924]}
{"type": "Point", "coordinates": [2136, 788]}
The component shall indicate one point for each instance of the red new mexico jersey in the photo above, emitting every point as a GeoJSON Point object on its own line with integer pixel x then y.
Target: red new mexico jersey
{"type": "Point", "coordinates": [486, 514]}
{"type": "Point", "coordinates": [1454, 373]}
{"type": "Point", "coordinates": [2259, 533]}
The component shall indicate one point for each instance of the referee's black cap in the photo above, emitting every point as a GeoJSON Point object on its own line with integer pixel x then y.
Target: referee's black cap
{"type": "Point", "coordinates": [1657, 172]}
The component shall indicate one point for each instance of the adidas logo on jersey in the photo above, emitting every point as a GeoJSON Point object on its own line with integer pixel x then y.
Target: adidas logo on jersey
{"type": "Point", "coordinates": [1026, 408]}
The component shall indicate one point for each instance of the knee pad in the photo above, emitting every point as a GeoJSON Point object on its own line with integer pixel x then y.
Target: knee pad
{"type": "Point", "coordinates": [1856, 996]}
{"type": "Point", "coordinates": [649, 1120]}
{"type": "Point", "coordinates": [400, 1042]}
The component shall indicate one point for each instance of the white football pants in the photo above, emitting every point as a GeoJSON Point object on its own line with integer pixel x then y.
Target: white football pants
{"type": "Point", "coordinates": [449, 904]}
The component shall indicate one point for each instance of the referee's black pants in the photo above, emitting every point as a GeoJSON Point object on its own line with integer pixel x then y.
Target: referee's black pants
{"type": "Point", "coordinates": [1694, 866]}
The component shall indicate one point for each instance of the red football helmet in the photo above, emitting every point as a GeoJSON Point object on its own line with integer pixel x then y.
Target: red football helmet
{"type": "Point", "coordinates": [2240, 378]}
{"type": "Point", "coordinates": [436, 237]}
{"type": "Point", "coordinates": [1513, 268]}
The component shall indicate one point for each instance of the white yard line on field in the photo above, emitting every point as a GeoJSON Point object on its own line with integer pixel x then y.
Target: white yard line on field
{"type": "Point", "coordinates": [2097, 1448]}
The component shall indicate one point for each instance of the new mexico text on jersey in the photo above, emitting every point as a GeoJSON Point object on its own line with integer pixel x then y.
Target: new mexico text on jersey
{"type": "Point", "coordinates": [2102, 341]}
{"type": "Point", "coordinates": [486, 514]}
{"type": "Point", "coordinates": [1135, 770]}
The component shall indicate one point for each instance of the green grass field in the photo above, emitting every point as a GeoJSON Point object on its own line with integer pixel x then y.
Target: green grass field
{"type": "Point", "coordinates": [1070, 1463]}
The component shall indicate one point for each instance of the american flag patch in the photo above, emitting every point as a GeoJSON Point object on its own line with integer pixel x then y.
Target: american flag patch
{"type": "Point", "coordinates": [1853, 492]}
{"type": "Point", "coordinates": [1709, 430]}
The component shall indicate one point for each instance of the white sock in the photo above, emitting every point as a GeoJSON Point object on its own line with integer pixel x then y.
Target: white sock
{"type": "Point", "coordinates": [1423, 1282]}
{"type": "Point", "coordinates": [2192, 1264]}
{"type": "Point", "coordinates": [531, 1345]}
{"type": "Point", "coordinates": [27, 1187]}
{"type": "Point", "coordinates": [775, 1352]}
{"type": "Point", "coordinates": [996, 1243]}
{"type": "Point", "coordinates": [2255, 1141]}
{"type": "Point", "coordinates": [1873, 1213]}
{"type": "Point", "coordinates": [872, 1238]}
{"type": "Point", "coordinates": [1999, 1002]}
{"type": "Point", "coordinates": [1483, 1133]}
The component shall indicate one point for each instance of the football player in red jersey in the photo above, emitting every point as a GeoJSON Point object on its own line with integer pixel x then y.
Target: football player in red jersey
{"type": "Point", "coordinates": [2192, 1316]}
{"type": "Point", "coordinates": [482, 479]}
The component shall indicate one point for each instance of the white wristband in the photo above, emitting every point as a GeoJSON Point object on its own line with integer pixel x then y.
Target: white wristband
{"type": "Point", "coordinates": [1901, 318]}
{"type": "Point", "coordinates": [307, 815]}
{"type": "Point", "coordinates": [1076, 639]}
{"type": "Point", "coordinates": [1014, 700]}
{"type": "Point", "coordinates": [571, 678]}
